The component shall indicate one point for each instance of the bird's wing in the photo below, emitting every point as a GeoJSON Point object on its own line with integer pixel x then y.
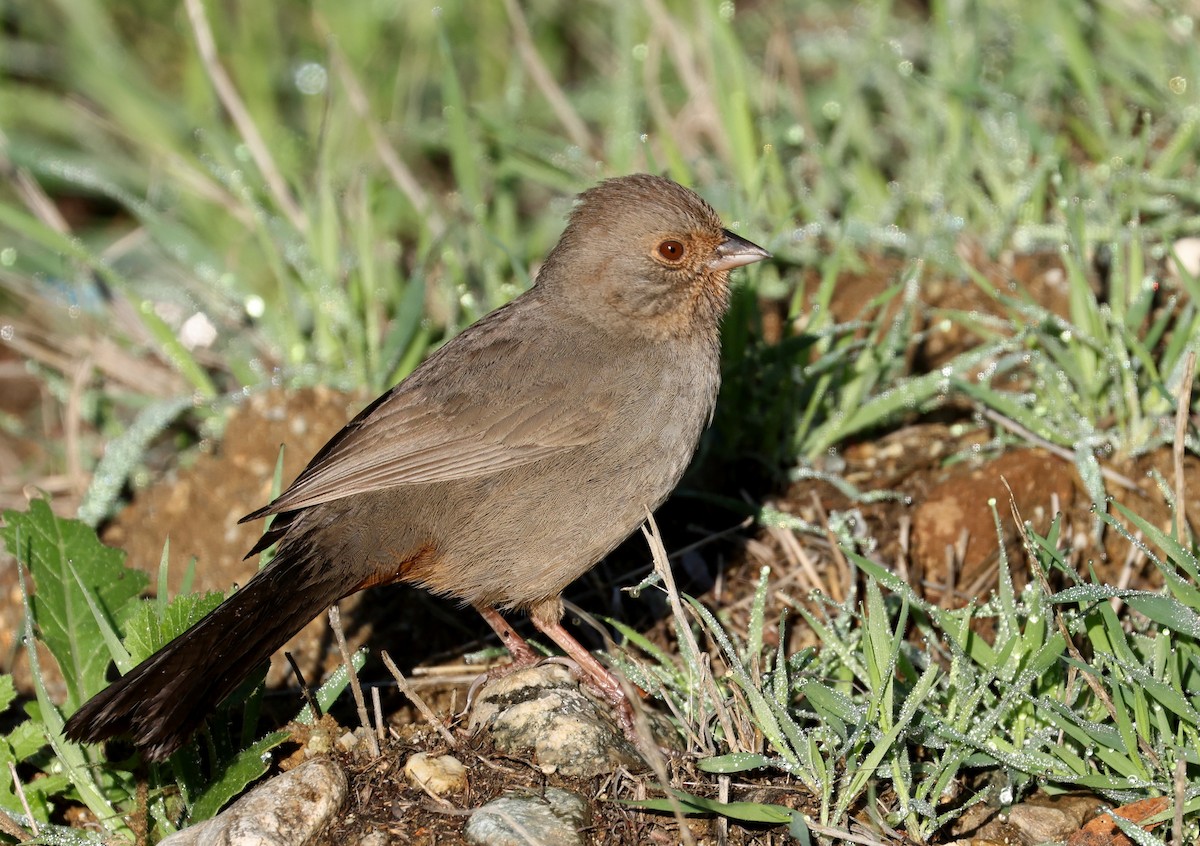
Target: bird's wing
{"type": "Point", "coordinates": [490, 408]}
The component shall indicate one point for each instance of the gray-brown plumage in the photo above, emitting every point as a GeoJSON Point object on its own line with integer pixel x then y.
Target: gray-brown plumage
{"type": "Point", "coordinates": [510, 462]}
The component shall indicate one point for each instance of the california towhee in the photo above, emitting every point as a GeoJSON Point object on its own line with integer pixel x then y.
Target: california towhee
{"type": "Point", "coordinates": [509, 463]}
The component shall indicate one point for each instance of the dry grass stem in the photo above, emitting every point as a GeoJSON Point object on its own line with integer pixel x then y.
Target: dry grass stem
{"type": "Point", "coordinates": [1054, 449]}
{"type": "Point", "coordinates": [416, 699]}
{"type": "Point", "coordinates": [31, 193]}
{"type": "Point", "coordinates": [20, 791]}
{"type": "Point", "coordinates": [377, 707]}
{"type": "Point", "coordinates": [240, 115]}
{"type": "Point", "coordinates": [11, 828]}
{"type": "Point", "coordinates": [837, 590]}
{"type": "Point", "coordinates": [1180, 792]}
{"type": "Point", "coordinates": [1182, 407]}
{"type": "Point", "coordinates": [694, 658]}
{"type": "Point", "coordinates": [335, 622]}
{"type": "Point", "coordinates": [545, 82]}
{"type": "Point", "coordinates": [404, 179]}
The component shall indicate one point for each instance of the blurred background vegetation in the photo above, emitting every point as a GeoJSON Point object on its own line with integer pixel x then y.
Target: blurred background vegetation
{"type": "Point", "coordinates": [200, 199]}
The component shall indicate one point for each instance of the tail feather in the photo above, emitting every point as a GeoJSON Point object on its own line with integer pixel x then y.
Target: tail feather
{"type": "Point", "coordinates": [163, 700]}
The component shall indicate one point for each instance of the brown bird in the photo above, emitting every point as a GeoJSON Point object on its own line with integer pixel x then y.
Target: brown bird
{"type": "Point", "coordinates": [505, 466]}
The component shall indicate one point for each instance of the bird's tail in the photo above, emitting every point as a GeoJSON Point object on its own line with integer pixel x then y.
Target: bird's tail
{"type": "Point", "coordinates": [163, 700]}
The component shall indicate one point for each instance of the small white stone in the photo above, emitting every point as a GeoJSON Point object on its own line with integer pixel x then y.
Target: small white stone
{"type": "Point", "coordinates": [440, 776]}
{"type": "Point", "coordinates": [1186, 256]}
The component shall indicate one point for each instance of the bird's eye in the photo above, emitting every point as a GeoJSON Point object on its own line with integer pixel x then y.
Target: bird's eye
{"type": "Point", "coordinates": [671, 250]}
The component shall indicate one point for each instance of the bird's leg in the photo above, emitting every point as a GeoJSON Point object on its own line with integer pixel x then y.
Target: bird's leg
{"type": "Point", "coordinates": [518, 648]}
{"type": "Point", "coordinates": [595, 675]}
{"type": "Point", "coordinates": [522, 653]}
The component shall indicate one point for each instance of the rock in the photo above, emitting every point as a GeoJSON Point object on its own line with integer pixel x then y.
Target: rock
{"type": "Point", "coordinates": [1185, 257]}
{"type": "Point", "coordinates": [374, 838]}
{"type": "Point", "coordinates": [289, 810]}
{"type": "Point", "coordinates": [542, 711]}
{"type": "Point", "coordinates": [552, 817]}
{"type": "Point", "coordinates": [1038, 819]}
{"type": "Point", "coordinates": [440, 776]}
{"type": "Point", "coordinates": [1039, 823]}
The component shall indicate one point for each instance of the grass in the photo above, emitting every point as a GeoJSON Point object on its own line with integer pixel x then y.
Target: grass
{"type": "Point", "coordinates": [277, 194]}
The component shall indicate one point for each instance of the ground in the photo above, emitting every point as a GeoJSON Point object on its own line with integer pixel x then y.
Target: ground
{"type": "Point", "coordinates": [936, 528]}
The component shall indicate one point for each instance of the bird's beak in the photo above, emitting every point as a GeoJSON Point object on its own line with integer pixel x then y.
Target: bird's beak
{"type": "Point", "coordinates": [735, 252]}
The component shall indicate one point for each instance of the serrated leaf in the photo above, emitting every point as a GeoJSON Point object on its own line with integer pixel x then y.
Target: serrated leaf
{"type": "Point", "coordinates": [50, 547]}
{"type": "Point", "coordinates": [8, 692]}
{"type": "Point", "coordinates": [147, 631]}
{"type": "Point", "coordinates": [26, 739]}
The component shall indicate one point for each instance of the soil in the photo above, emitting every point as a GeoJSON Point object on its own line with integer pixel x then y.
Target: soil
{"type": "Point", "coordinates": [937, 527]}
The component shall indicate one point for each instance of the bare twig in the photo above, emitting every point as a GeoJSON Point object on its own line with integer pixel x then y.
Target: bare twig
{"type": "Point", "coordinates": [305, 690]}
{"type": "Point", "coordinates": [20, 790]}
{"type": "Point", "coordinates": [377, 706]}
{"type": "Point", "coordinates": [240, 115]}
{"type": "Point", "coordinates": [1180, 797]}
{"type": "Point", "coordinates": [335, 622]}
{"type": "Point", "coordinates": [12, 828]}
{"type": "Point", "coordinates": [415, 698]}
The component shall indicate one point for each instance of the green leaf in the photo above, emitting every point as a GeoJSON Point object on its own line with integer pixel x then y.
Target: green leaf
{"type": "Point", "coordinates": [247, 766]}
{"type": "Point", "coordinates": [753, 812]}
{"type": "Point", "coordinates": [122, 455]}
{"type": "Point", "coordinates": [1168, 612]}
{"type": "Point", "coordinates": [148, 632]}
{"type": "Point", "coordinates": [52, 548]}
{"type": "Point", "coordinates": [8, 692]}
{"type": "Point", "coordinates": [47, 719]}
{"type": "Point", "coordinates": [334, 685]}
{"type": "Point", "coordinates": [736, 762]}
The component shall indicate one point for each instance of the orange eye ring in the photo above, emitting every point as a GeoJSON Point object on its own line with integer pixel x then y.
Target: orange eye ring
{"type": "Point", "coordinates": [671, 250]}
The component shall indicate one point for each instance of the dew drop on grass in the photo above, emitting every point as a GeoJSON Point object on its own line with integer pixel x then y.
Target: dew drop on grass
{"type": "Point", "coordinates": [255, 306]}
{"type": "Point", "coordinates": [310, 78]}
{"type": "Point", "coordinates": [8, 256]}
{"type": "Point", "coordinates": [7, 332]}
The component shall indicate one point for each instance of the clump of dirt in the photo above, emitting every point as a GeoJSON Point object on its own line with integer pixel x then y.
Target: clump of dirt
{"type": "Point", "coordinates": [198, 507]}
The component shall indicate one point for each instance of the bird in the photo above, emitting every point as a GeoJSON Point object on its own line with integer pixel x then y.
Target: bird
{"type": "Point", "coordinates": [505, 466]}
